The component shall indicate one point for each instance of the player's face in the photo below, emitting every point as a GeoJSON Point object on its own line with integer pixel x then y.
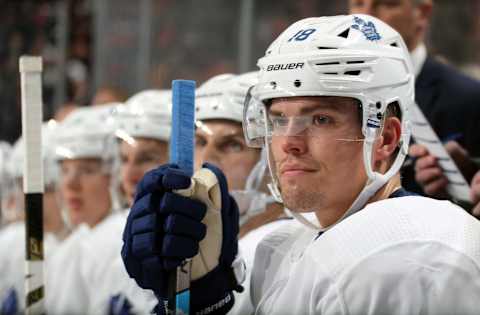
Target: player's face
{"type": "Point", "coordinates": [221, 143]}
{"type": "Point", "coordinates": [319, 169]}
{"type": "Point", "coordinates": [136, 159]}
{"type": "Point", "coordinates": [402, 15]}
{"type": "Point", "coordinates": [85, 190]}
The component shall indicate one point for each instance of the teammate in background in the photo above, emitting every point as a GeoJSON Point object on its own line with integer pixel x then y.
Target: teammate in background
{"type": "Point", "coordinates": [448, 98]}
{"type": "Point", "coordinates": [142, 130]}
{"type": "Point", "coordinates": [219, 140]}
{"type": "Point", "coordinates": [85, 151]}
{"type": "Point", "coordinates": [331, 108]}
{"type": "Point", "coordinates": [12, 239]}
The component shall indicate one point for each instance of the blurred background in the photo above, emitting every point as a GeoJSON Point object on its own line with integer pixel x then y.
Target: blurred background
{"type": "Point", "coordinates": [99, 50]}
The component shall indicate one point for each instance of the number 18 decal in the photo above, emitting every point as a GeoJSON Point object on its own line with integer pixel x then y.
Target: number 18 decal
{"type": "Point", "coordinates": [302, 34]}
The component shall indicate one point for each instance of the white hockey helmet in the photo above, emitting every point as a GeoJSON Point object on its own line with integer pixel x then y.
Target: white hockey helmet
{"type": "Point", "coordinates": [356, 56]}
{"type": "Point", "coordinates": [147, 114]}
{"type": "Point", "coordinates": [87, 133]}
{"type": "Point", "coordinates": [222, 96]}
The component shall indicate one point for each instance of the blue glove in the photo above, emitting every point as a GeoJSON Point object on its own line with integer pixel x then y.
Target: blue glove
{"type": "Point", "coordinates": [10, 303]}
{"type": "Point", "coordinates": [164, 228]}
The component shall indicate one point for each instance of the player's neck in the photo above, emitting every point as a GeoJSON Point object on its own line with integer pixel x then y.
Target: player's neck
{"type": "Point", "coordinates": [389, 188]}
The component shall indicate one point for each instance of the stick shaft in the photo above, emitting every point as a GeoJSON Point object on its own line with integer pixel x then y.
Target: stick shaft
{"type": "Point", "coordinates": [31, 93]}
{"type": "Point", "coordinates": [181, 153]}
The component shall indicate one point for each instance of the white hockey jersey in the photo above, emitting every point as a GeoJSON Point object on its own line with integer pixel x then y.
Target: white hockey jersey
{"type": "Point", "coordinates": [407, 255]}
{"type": "Point", "coordinates": [86, 272]}
{"type": "Point", "coordinates": [12, 259]}
{"type": "Point", "coordinates": [247, 246]}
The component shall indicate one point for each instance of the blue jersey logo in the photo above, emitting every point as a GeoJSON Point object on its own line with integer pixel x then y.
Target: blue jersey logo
{"type": "Point", "coordinates": [367, 28]}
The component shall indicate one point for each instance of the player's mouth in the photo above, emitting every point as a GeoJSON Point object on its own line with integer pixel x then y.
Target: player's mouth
{"type": "Point", "coordinates": [74, 203]}
{"type": "Point", "coordinates": [293, 169]}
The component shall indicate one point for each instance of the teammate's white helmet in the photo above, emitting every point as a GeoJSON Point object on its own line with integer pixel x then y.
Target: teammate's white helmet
{"type": "Point", "coordinates": [147, 114]}
{"type": "Point", "coordinates": [222, 96]}
{"type": "Point", "coordinates": [87, 133]}
{"type": "Point", "coordinates": [355, 56]}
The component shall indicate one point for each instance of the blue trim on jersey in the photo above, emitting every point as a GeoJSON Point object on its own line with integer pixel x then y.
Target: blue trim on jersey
{"type": "Point", "coordinates": [402, 193]}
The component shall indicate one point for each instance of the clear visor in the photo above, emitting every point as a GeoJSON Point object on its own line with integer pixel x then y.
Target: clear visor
{"type": "Point", "coordinates": [261, 124]}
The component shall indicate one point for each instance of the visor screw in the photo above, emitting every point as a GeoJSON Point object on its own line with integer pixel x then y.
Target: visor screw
{"type": "Point", "coordinates": [379, 116]}
{"type": "Point", "coordinates": [297, 83]}
{"type": "Point", "coordinates": [197, 109]}
{"type": "Point", "coordinates": [215, 107]}
{"type": "Point", "coordinates": [273, 84]}
{"type": "Point", "coordinates": [379, 105]}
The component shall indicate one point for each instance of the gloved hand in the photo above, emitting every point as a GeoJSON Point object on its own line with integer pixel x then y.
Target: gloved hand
{"type": "Point", "coordinates": [164, 228]}
{"type": "Point", "coordinates": [10, 303]}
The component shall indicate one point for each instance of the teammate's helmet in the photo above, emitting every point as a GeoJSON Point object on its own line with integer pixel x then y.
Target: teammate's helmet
{"type": "Point", "coordinates": [222, 96]}
{"type": "Point", "coordinates": [356, 56]}
{"type": "Point", "coordinates": [87, 133]}
{"type": "Point", "coordinates": [147, 114]}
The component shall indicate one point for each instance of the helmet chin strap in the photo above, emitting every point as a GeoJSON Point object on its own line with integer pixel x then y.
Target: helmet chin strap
{"type": "Point", "coordinates": [374, 183]}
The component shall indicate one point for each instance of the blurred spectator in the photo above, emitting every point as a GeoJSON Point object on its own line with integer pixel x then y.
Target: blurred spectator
{"type": "Point", "coordinates": [448, 98]}
{"type": "Point", "coordinates": [108, 94]}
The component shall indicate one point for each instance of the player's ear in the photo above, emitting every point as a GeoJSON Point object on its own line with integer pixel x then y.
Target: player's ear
{"type": "Point", "coordinates": [388, 142]}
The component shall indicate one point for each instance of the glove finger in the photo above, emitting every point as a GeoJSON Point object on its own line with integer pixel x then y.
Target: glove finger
{"type": "Point", "coordinates": [152, 180]}
{"type": "Point", "coordinates": [179, 247]}
{"type": "Point", "coordinates": [184, 226]}
{"type": "Point", "coordinates": [141, 207]}
{"type": "Point", "coordinates": [132, 266]}
{"type": "Point", "coordinates": [144, 245]}
{"type": "Point", "coordinates": [173, 203]}
{"type": "Point", "coordinates": [175, 178]}
{"type": "Point", "coordinates": [147, 223]}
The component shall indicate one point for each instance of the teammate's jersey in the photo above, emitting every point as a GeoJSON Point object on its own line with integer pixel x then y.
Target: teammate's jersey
{"type": "Point", "coordinates": [84, 274]}
{"type": "Point", "coordinates": [247, 246]}
{"type": "Point", "coordinates": [408, 255]}
{"type": "Point", "coordinates": [12, 259]}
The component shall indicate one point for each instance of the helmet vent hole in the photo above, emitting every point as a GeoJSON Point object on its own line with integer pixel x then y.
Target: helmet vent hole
{"type": "Point", "coordinates": [353, 72]}
{"type": "Point", "coordinates": [323, 47]}
{"type": "Point", "coordinates": [394, 44]}
{"type": "Point", "coordinates": [344, 34]}
{"type": "Point", "coordinates": [355, 62]}
{"type": "Point", "coordinates": [297, 83]}
{"type": "Point", "coordinates": [328, 63]}
{"type": "Point", "coordinates": [331, 73]}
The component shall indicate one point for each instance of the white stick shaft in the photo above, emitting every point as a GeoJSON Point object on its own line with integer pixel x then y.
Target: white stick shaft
{"type": "Point", "coordinates": [31, 91]}
{"type": "Point", "coordinates": [31, 84]}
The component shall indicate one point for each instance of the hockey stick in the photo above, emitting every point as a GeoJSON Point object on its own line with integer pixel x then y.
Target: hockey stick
{"type": "Point", "coordinates": [31, 90]}
{"type": "Point", "coordinates": [181, 153]}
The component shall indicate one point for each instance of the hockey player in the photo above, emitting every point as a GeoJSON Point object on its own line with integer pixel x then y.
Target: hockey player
{"type": "Point", "coordinates": [12, 242]}
{"type": "Point", "coordinates": [332, 105]}
{"type": "Point", "coordinates": [142, 129]}
{"type": "Point", "coordinates": [219, 140]}
{"type": "Point", "coordinates": [85, 150]}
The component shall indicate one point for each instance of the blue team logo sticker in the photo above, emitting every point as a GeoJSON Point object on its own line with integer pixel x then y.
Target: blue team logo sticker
{"type": "Point", "coordinates": [367, 28]}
